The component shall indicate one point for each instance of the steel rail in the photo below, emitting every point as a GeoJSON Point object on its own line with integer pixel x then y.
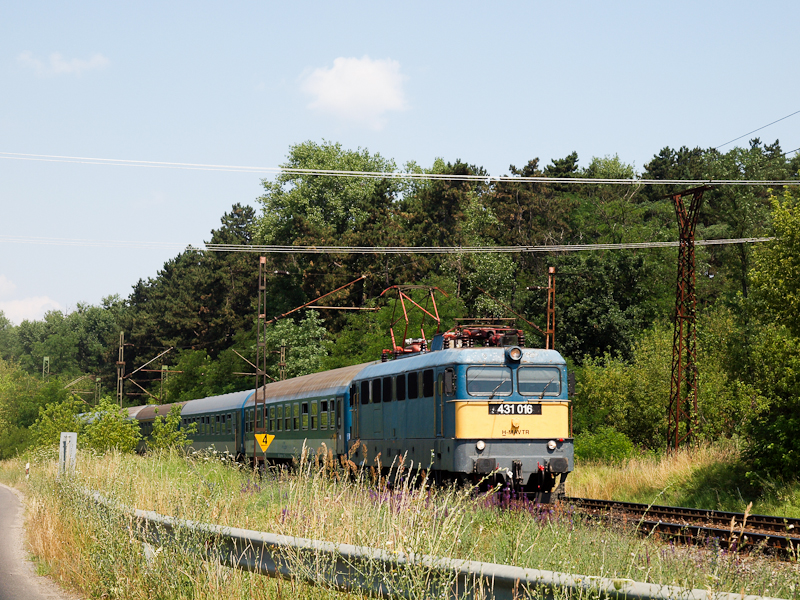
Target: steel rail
{"type": "Point", "coordinates": [699, 525]}
{"type": "Point", "coordinates": [380, 573]}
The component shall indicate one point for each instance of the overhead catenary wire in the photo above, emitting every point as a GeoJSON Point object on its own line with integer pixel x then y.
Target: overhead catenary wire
{"type": "Point", "coordinates": [279, 249]}
{"type": "Point", "coordinates": [754, 130]}
{"type": "Point", "coordinates": [400, 175]}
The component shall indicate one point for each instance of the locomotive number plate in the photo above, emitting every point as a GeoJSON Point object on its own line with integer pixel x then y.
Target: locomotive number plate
{"type": "Point", "coordinates": [514, 408]}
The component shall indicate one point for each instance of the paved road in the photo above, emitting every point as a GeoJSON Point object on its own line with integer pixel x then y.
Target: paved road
{"type": "Point", "coordinates": [18, 580]}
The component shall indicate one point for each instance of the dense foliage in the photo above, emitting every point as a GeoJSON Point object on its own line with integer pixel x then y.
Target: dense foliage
{"type": "Point", "coordinates": [614, 308]}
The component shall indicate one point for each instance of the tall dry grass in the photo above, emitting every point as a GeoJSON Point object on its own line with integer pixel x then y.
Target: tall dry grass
{"type": "Point", "coordinates": [97, 553]}
{"type": "Point", "coordinates": [648, 477]}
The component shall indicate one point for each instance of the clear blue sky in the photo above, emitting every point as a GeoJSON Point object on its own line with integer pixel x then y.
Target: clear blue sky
{"type": "Point", "coordinates": [237, 83]}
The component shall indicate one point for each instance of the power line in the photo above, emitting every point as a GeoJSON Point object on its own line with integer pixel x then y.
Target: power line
{"type": "Point", "coordinates": [488, 179]}
{"type": "Point", "coordinates": [759, 129]}
{"type": "Point", "coordinates": [277, 249]}
{"type": "Point", "coordinates": [467, 249]}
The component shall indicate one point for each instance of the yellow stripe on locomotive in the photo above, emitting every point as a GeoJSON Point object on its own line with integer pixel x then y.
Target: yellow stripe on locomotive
{"type": "Point", "coordinates": [473, 421]}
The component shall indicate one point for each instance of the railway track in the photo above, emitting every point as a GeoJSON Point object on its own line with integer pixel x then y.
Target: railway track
{"type": "Point", "coordinates": [696, 526]}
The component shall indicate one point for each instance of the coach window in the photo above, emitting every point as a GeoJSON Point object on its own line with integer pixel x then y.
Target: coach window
{"type": "Point", "coordinates": [216, 425]}
{"type": "Point", "coordinates": [387, 389]}
{"type": "Point", "coordinates": [413, 385]}
{"type": "Point", "coordinates": [400, 386]}
{"type": "Point", "coordinates": [304, 418]}
{"type": "Point", "coordinates": [279, 417]}
{"type": "Point", "coordinates": [332, 407]}
{"type": "Point", "coordinates": [427, 383]}
{"type": "Point", "coordinates": [230, 424]}
{"type": "Point", "coordinates": [376, 391]}
{"type": "Point", "coordinates": [296, 416]}
{"type": "Point", "coordinates": [365, 392]}
{"type": "Point", "coordinates": [323, 414]}
{"type": "Point", "coordinates": [314, 407]}
{"type": "Point", "coordinates": [272, 418]}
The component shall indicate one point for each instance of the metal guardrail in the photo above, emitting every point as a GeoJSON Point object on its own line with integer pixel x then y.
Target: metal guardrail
{"type": "Point", "coordinates": [385, 574]}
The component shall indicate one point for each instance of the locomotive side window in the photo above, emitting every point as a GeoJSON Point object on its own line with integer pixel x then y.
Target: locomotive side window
{"type": "Point", "coordinates": [376, 391]}
{"type": "Point", "coordinates": [427, 383]}
{"type": "Point", "coordinates": [353, 395]}
{"type": "Point", "coordinates": [304, 419]}
{"type": "Point", "coordinates": [449, 382]}
{"type": "Point", "coordinates": [489, 381]}
{"type": "Point", "coordinates": [387, 389]}
{"type": "Point", "coordinates": [413, 386]}
{"type": "Point", "coordinates": [296, 416]}
{"type": "Point", "coordinates": [365, 392]}
{"type": "Point", "coordinates": [539, 381]}
{"type": "Point", "coordinates": [323, 414]}
{"type": "Point", "coordinates": [400, 386]}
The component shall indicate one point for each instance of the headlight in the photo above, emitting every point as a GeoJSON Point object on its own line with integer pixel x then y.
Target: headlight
{"type": "Point", "coordinates": [480, 445]}
{"type": "Point", "coordinates": [551, 445]}
{"type": "Point", "coordinates": [514, 353]}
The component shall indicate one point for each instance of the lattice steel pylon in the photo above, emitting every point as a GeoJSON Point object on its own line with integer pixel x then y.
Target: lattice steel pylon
{"type": "Point", "coordinates": [682, 411]}
{"type": "Point", "coordinates": [259, 422]}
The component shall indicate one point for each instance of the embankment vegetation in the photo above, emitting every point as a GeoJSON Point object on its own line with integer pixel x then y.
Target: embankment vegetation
{"type": "Point", "coordinates": [93, 551]}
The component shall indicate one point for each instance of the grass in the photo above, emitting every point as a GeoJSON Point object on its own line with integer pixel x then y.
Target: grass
{"type": "Point", "coordinates": [706, 476]}
{"type": "Point", "coordinates": [97, 553]}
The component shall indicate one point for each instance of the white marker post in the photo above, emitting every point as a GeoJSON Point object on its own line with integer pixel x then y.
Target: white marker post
{"type": "Point", "coordinates": [66, 453]}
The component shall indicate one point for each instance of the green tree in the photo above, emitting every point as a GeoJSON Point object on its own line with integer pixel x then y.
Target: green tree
{"type": "Point", "coordinates": [21, 397]}
{"type": "Point", "coordinates": [56, 418]}
{"type": "Point", "coordinates": [630, 397]}
{"type": "Point", "coordinates": [776, 268]}
{"type": "Point", "coordinates": [306, 345]}
{"type": "Point", "coordinates": [108, 427]}
{"type": "Point", "coordinates": [167, 432]}
{"type": "Point", "coordinates": [199, 301]}
{"type": "Point", "coordinates": [299, 209]}
{"type": "Point", "coordinates": [603, 301]}
{"type": "Point", "coordinates": [8, 338]}
{"type": "Point", "coordinates": [773, 446]}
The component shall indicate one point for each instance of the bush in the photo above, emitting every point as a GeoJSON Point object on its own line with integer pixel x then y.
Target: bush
{"type": "Point", "coordinates": [773, 446]}
{"type": "Point", "coordinates": [54, 419]}
{"type": "Point", "coordinates": [167, 433]}
{"type": "Point", "coordinates": [109, 428]}
{"type": "Point", "coordinates": [605, 445]}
